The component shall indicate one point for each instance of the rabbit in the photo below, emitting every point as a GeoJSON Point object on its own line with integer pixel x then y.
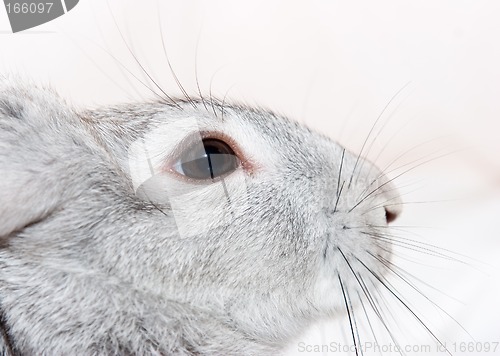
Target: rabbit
{"type": "Point", "coordinates": [176, 227]}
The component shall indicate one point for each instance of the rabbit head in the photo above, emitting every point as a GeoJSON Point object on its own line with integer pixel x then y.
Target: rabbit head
{"type": "Point", "coordinates": [185, 226]}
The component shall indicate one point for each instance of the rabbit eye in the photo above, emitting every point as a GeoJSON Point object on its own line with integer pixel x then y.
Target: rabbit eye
{"type": "Point", "coordinates": [209, 160]}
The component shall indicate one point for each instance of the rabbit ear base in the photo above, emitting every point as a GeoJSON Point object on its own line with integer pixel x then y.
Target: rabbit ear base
{"type": "Point", "coordinates": [10, 225]}
{"type": "Point", "coordinates": [29, 191]}
{"type": "Point", "coordinates": [27, 196]}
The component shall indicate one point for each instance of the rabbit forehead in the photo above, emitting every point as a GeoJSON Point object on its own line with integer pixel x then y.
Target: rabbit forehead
{"type": "Point", "coordinates": [257, 135]}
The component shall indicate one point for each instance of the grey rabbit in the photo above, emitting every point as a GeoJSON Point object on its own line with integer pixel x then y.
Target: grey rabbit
{"type": "Point", "coordinates": [176, 227]}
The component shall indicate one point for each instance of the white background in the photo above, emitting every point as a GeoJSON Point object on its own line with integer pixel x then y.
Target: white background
{"type": "Point", "coordinates": [333, 66]}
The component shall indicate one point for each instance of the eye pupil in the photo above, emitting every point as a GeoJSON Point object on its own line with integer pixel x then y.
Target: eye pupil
{"type": "Point", "coordinates": [210, 160]}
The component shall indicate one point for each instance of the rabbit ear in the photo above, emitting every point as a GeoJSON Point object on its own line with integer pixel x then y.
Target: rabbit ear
{"type": "Point", "coordinates": [30, 187]}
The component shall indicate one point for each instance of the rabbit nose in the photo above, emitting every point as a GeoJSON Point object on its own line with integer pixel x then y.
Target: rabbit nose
{"type": "Point", "coordinates": [391, 214]}
{"type": "Point", "coordinates": [392, 202]}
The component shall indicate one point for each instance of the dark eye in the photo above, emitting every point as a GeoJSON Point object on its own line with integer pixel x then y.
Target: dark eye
{"type": "Point", "coordinates": [209, 160]}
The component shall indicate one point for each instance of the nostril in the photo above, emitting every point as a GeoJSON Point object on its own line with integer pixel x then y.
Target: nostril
{"type": "Point", "coordinates": [390, 216]}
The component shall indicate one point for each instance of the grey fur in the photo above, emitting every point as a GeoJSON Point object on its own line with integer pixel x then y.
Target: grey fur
{"type": "Point", "coordinates": [89, 267]}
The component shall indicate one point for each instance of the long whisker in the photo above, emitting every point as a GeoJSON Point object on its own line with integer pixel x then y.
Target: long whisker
{"type": "Point", "coordinates": [368, 319]}
{"type": "Point", "coordinates": [137, 60]}
{"type": "Point", "coordinates": [338, 197]}
{"type": "Point", "coordinates": [441, 201]}
{"type": "Point", "coordinates": [211, 96]}
{"type": "Point", "coordinates": [121, 65]}
{"type": "Point", "coordinates": [340, 171]}
{"type": "Point", "coordinates": [371, 130]}
{"type": "Point", "coordinates": [399, 175]}
{"type": "Point", "coordinates": [386, 170]}
{"type": "Point", "coordinates": [393, 237]}
{"type": "Point", "coordinates": [386, 145]}
{"type": "Point", "coordinates": [184, 92]}
{"type": "Point", "coordinates": [414, 247]}
{"type": "Point", "coordinates": [105, 73]}
{"type": "Point", "coordinates": [354, 319]}
{"type": "Point", "coordinates": [196, 72]}
{"type": "Point", "coordinates": [391, 267]}
{"type": "Point", "coordinates": [377, 135]}
{"type": "Point", "coordinates": [396, 195]}
{"type": "Point", "coordinates": [419, 280]}
{"type": "Point", "coordinates": [370, 299]}
{"type": "Point", "coordinates": [222, 105]}
{"type": "Point", "coordinates": [384, 284]}
{"type": "Point", "coordinates": [356, 347]}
